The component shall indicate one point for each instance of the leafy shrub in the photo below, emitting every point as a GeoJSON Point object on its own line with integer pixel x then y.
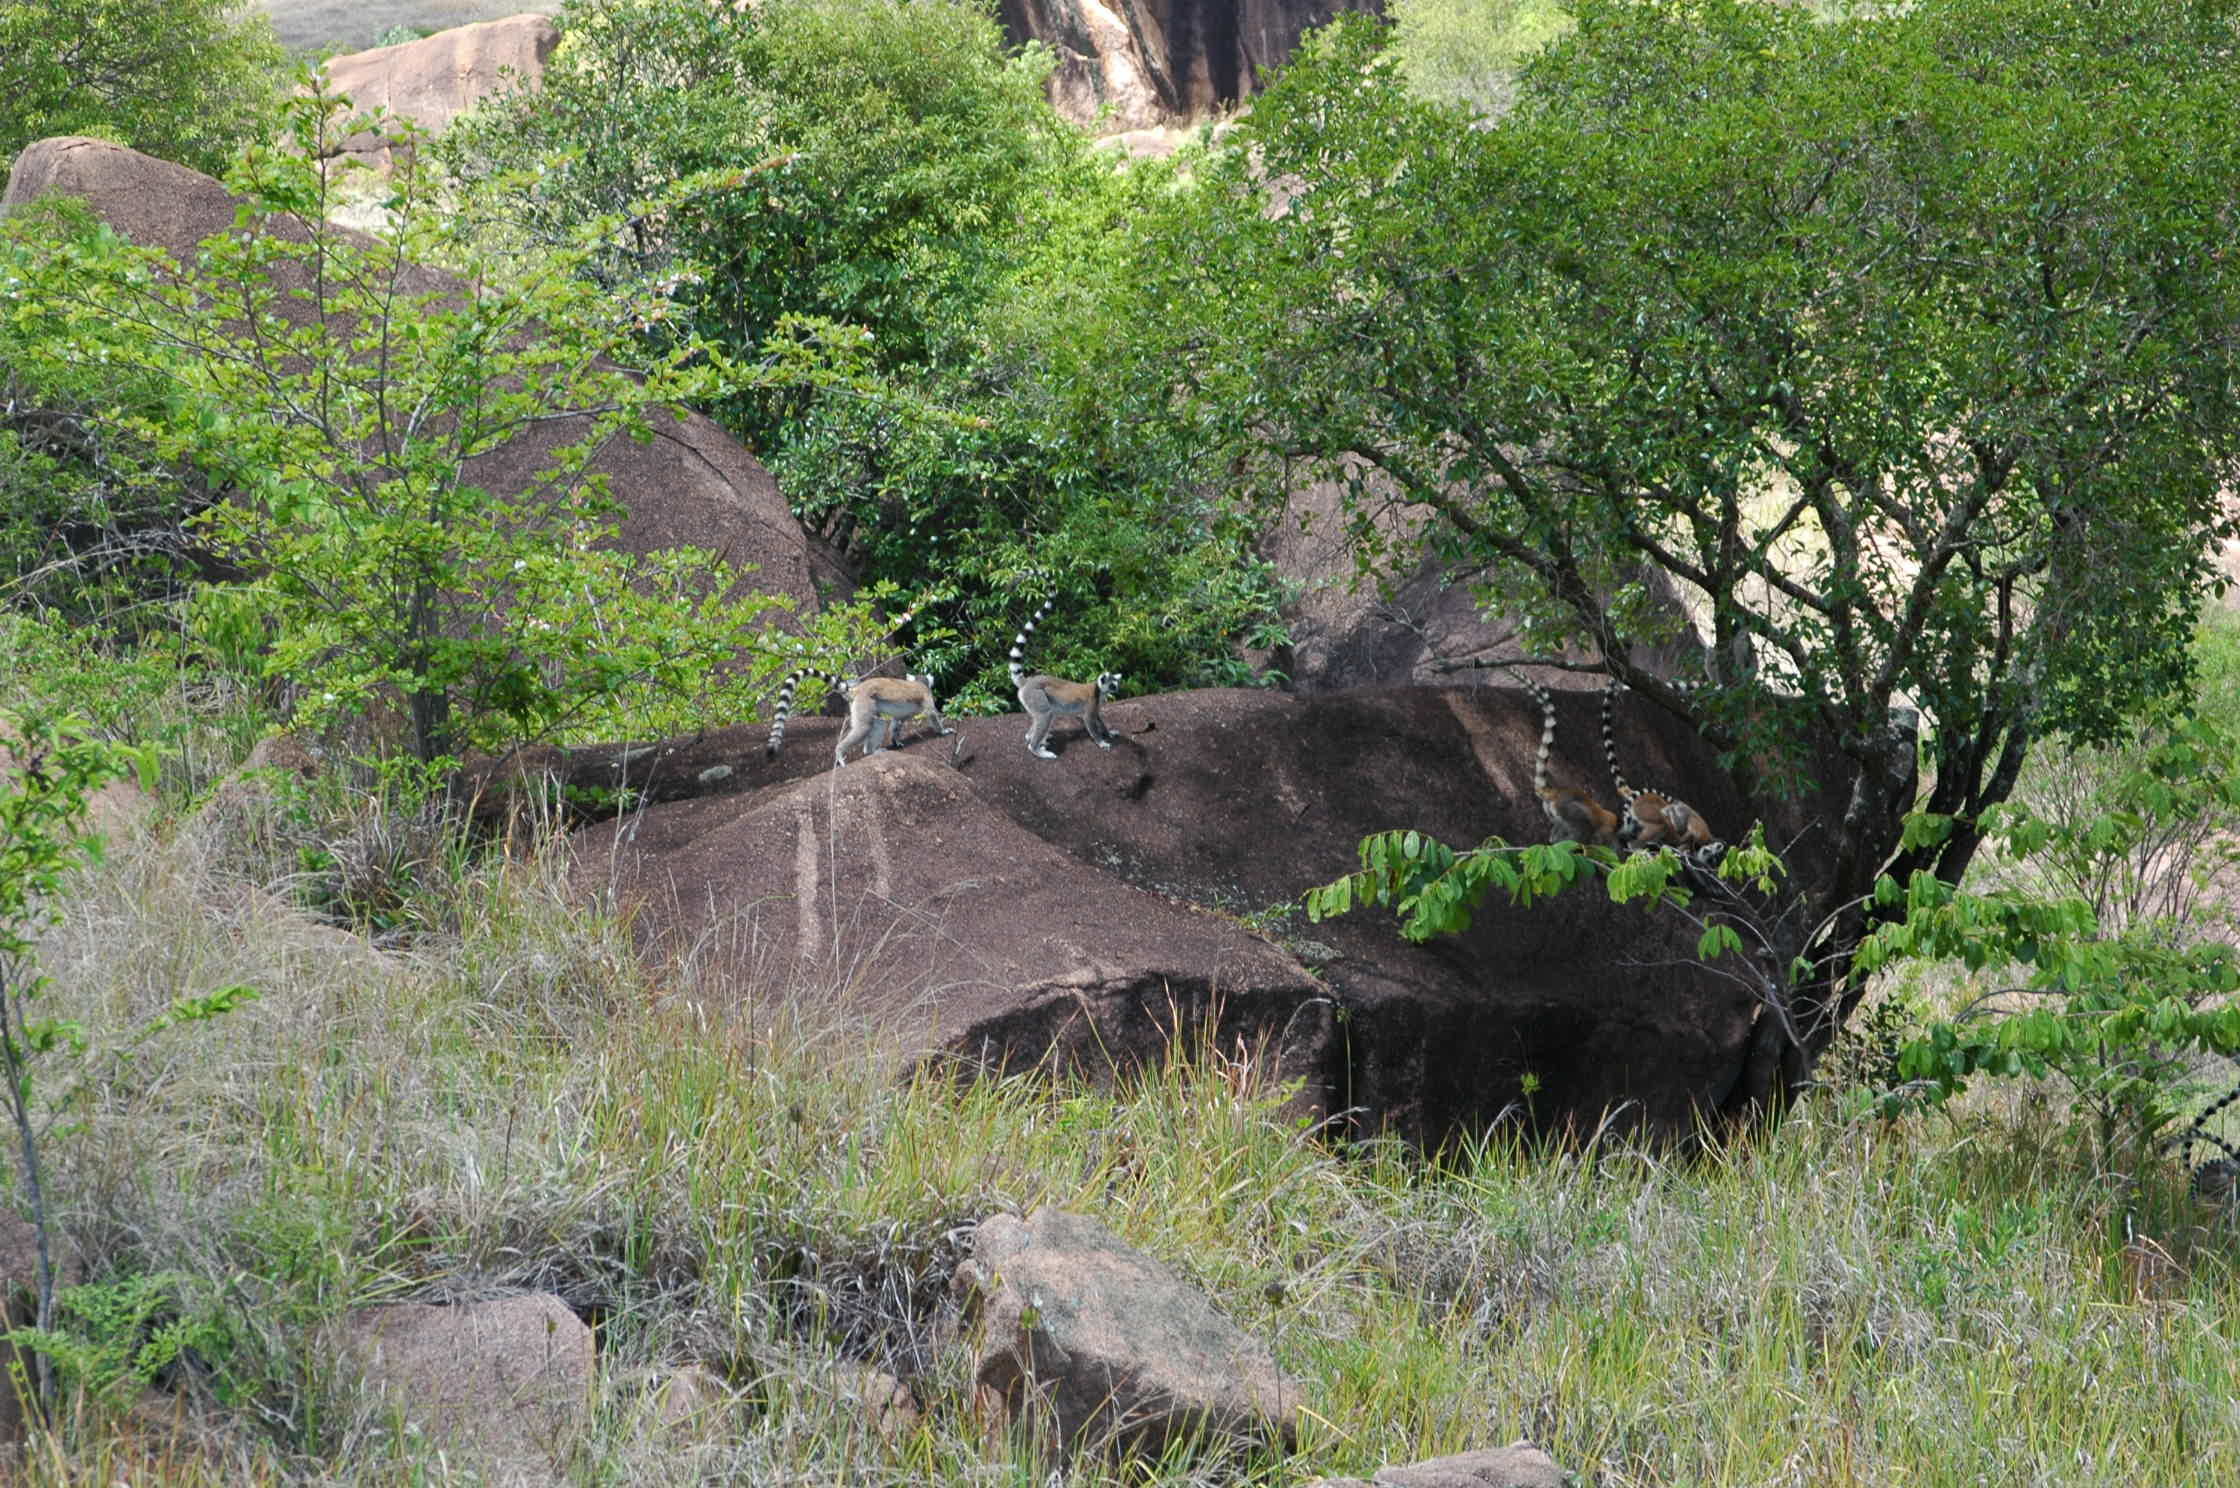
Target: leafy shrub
{"type": "Point", "coordinates": [187, 80]}
{"type": "Point", "coordinates": [919, 260]}
{"type": "Point", "coordinates": [376, 573]}
{"type": "Point", "coordinates": [881, 162]}
{"type": "Point", "coordinates": [1467, 51]}
{"type": "Point", "coordinates": [2097, 954]}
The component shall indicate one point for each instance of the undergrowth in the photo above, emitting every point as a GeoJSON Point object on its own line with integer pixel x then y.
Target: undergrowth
{"type": "Point", "coordinates": [734, 1177]}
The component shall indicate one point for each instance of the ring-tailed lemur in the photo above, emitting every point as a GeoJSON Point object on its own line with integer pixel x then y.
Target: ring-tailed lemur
{"type": "Point", "coordinates": [1653, 819]}
{"type": "Point", "coordinates": [2219, 1177]}
{"type": "Point", "coordinates": [881, 704]}
{"type": "Point", "coordinates": [1573, 815]}
{"type": "Point", "coordinates": [1046, 698]}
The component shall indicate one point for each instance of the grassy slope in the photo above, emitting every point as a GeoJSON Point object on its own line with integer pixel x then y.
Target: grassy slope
{"type": "Point", "coordinates": [509, 1100]}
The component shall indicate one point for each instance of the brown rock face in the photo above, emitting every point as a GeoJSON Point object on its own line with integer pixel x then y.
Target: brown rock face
{"type": "Point", "coordinates": [1162, 61]}
{"type": "Point", "coordinates": [691, 484]}
{"type": "Point", "coordinates": [1006, 905]}
{"type": "Point", "coordinates": [505, 1384]}
{"type": "Point", "coordinates": [892, 887]}
{"type": "Point", "coordinates": [437, 78]}
{"type": "Point", "coordinates": [1427, 624]}
{"type": "Point", "coordinates": [1249, 798]}
{"type": "Point", "coordinates": [1103, 1348]}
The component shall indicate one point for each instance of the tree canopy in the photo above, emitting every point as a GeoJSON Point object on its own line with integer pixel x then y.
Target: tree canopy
{"type": "Point", "coordinates": [188, 80]}
{"type": "Point", "coordinates": [1903, 346]}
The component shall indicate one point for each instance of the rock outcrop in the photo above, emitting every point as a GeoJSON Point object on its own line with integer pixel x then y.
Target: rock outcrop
{"type": "Point", "coordinates": [504, 1386]}
{"type": "Point", "coordinates": [1517, 1466]}
{"type": "Point", "coordinates": [690, 484]}
{"type": "Point", "coordinates": [891, 889]}
{"type": "Point", "coordinates": [1015, 909]}
{"type": "Point", "coordinates": [1426, 627]}
{"type": "Point", "coordinates": [437, 78]}
{"type": "Point", "coordinates": [1132, 64]}
{"type": "Point", "coordinates": [1097, 1347]}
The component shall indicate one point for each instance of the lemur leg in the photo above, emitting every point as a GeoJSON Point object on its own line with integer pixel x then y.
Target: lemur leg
{"type": "Point", "coordinates": [855, 733]}
{"type": "Point", "coordinates": [1040, 732]}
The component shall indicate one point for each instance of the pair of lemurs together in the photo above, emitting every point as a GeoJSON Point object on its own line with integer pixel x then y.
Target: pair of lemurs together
{"type": "Point", "coordinates": [878, 707]}
{"type": "Point", "coordinates": [1646, 818]}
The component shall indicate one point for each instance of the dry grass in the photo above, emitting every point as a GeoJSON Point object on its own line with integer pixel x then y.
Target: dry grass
{"type": "Point", "coordinates": [729, 1176]}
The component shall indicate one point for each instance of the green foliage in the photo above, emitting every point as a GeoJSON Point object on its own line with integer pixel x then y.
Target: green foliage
{"type": "Point", "coordinates": [1435, 890]}
{"type": "Point", "coordinates": [92, 526]}
{"type": "Point", "coordinates": [349, 398]}
{"type": "Point", "coordinates": [1906, 345]}
{"type": "Point", "coordinates": [186, 80]}
{"type": "Point", "coordinates": [1467, 52]}
{"type": "Point", "coordinates": [882, 159]}
{"type": "Point", "coordinates": [919, 259]}
{"type": "Point", "coordinates": [112, 1339]}
{"type": "Point", "coordinates": [2084, 971]}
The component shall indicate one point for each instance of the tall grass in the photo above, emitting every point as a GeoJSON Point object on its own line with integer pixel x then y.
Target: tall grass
{"type": "Point", "coordinates": [731, 1174]}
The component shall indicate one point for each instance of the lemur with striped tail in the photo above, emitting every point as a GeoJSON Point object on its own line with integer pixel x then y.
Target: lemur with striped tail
{"type": "Point", "coordinates": [1652, 819]}
{"type": "Point", "coordinates": [878, 707]}
{"type": "Point", "coordinates": [1047, 699]}
{"type": "Point", "coordinates": [1573, 815]}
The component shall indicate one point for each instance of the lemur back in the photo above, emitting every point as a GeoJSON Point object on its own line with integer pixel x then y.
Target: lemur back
{"type": "Point", "coordinates": [1573, 815]}
{"type": "Point", "coordinates": [1651, 819]}
{"type": "Point", "coordinates": [1048, 698]}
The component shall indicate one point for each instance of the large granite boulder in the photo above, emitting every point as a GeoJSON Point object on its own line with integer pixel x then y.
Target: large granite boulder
{"type": "Point", "coordinates": [691, 484]}
{"type": "Point", "coordinates": [1162, 61]}
{"type": "Point", "coordinates": [893, 891]}
{"type": "Point", "coordinates": [437, 78]}
{"type": "Point", "coordinates": [1013, 908]}
{"type": "Point", "coordinates": [1519, 1465]}
{"type": "Point", "coordinates": [503, 1387]}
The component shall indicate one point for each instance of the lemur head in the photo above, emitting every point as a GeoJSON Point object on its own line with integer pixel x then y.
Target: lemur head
{"type": "Point", "coordinates": [1108, 683]}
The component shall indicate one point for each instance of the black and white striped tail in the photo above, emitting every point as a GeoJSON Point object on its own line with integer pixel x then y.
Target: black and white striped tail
{"type": "Point", "coordinates": [1547, 703]}
{"type": "Point", "coordinates": [1019, 643]}
{"type": "Point", "coordinates": [1626, 793]}
{"type": "Point", "coordinates": [785, 706]}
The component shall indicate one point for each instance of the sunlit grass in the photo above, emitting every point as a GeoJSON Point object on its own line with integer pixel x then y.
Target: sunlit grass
{"type": "Point", "coordinates": [728, 1173]}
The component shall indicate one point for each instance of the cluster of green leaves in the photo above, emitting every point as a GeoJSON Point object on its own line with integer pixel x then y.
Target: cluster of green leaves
{"type": "Point", "coordinates": [346, 399]}
{"type": "Point", "coordinates": [112, 1339]}
{"type": "Point", "coordinates": [1435, 890]}
{"type": "Point", "coordinates": [884, 161]}
{"type": "Point", "coordinates": [186, 80]}
{"type": "Point", "coordinates": [921, 263]}
{"type": "Point", "coordinates": [2090, 961]}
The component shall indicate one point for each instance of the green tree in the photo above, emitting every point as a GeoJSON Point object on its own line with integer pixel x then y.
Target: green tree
{"type": "Point", "coordinates": [1903, 345]}
{"type": "Point", "coordinates": [188, 81]}
{"type": "Point", "coordinates": [343, 397]}
{"type": "Point", "coordinates": [1468, 51]}
{"type": "Point", "coordinates": [918, 256]}
{"type": "Point", "coordinates": [888, 157]}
